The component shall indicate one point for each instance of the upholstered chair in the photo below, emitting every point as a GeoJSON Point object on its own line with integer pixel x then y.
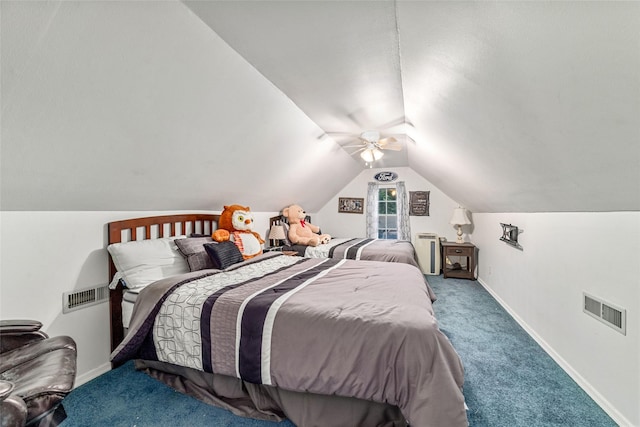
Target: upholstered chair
{"type": "Point", "coordinates": [36, 373]}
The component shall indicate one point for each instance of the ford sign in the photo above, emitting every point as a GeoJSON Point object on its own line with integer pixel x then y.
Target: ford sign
{"type": "Point", "coordinates": [386, 176]}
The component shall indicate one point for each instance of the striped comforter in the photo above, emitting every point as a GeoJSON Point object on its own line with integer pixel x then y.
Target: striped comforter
{"type": "Point", "coordinates": [327, 326]}
{"type": "Point", "coordinates": [365, 249]}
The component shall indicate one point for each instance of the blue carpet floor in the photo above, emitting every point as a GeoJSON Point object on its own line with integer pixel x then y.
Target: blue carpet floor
{"type": "Point", "coordinates": [126, 397]}
{"type": "Point", "coordinates": [509, 380]}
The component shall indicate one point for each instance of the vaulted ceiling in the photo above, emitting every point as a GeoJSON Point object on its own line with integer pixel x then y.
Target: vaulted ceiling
{"type": "Point", "coordinates": [505, 106]}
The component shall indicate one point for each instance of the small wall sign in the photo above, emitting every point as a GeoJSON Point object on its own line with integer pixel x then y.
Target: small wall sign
{"type": "Point", "coordinates": [419, 203]}
{"type": "Point", "coordinates": [510, 235]}
{"type": "Point", "coordinates": [385, 176]}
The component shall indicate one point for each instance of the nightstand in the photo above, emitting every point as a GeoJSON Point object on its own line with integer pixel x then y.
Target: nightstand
{"type": "Point", "coordinates": [462, 260]}
{"type": "Point", "coordinates": [280, 249]}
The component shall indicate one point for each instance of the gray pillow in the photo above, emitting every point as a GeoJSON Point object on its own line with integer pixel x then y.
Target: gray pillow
{"type": "Point", "coordinates": [285, 225]}
{"type": "Point", "coordinates": [193, 250]}
{"type": "Point", "coordinates": [224, 254]}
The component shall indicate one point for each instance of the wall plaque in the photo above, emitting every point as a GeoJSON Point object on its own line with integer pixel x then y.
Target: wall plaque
{"type": "Point", "coordinates": [385, 176]}
{"type": "Point", "coordinates": [419, 203]}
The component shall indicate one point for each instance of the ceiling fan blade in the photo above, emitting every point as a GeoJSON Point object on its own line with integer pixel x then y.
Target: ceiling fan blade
{"type": "Point", "coordinates": [390, 143]}
{"type": "Point", "coordinates": [357, 151]}
{"type": "Point", "coordinates": [388, 140]}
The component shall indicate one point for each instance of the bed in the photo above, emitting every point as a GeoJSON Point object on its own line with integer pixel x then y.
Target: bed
{"type": "Point", "coordinates": [365, 249]}
{"type": "Point", "coordinates": [330, 342]}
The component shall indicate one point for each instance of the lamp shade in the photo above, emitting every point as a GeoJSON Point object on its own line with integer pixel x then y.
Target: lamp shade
{"type": "Point", "coordinates": [371, 154]}
{"type": "Point", "coordinates": [459, 217]}
{"type": "Point", "coordinates": [277, 232]}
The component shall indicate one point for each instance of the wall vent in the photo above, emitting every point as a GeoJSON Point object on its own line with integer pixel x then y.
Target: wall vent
{"type": "Point", "coordinates": [605, 312]}
{"type": "Point", "coordinates": [82, 298]}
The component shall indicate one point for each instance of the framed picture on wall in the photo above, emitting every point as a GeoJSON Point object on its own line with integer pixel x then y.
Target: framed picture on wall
{"type": "Point", "coordinates": [350, 205]}
{"type": "Point", "coordinates": [419, 203]}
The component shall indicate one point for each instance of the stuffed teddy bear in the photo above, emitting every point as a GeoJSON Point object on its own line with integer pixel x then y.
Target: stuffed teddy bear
{"type": "Point", "coordinates": [235, 224]}
{"type": "Point", "coordinates": [301, 232]}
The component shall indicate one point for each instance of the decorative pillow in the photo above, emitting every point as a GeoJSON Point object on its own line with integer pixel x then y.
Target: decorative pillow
{"type": "Point", "coordinates": [142, 262]}
{"type": "Point", "coordinates": [223, 254]}
{"type": "Point", "coordinates": [193, 249]}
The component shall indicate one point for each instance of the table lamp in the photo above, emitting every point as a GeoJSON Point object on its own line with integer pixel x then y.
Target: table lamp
{"type": "Point", "coordinates": [459, 218]}
{"type": "Point", "coordinates": [276, 233]}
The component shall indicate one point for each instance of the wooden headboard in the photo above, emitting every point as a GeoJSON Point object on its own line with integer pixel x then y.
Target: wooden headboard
{"type": "Point", "coordinates": [144, 229]}
{"type": "Point", "coordinates": [276, 220]}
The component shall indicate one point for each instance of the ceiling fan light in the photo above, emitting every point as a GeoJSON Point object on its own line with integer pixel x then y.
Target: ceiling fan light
{"type": "Point", "coordinates": [371, 155]}
{"type": "Point", "coordinates": [367, 156]}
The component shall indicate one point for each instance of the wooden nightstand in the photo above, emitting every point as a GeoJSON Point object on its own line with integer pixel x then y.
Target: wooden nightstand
{"type": "Point", "coordinates": [456, 252]}
{"type": "Point", "coordinates": [280, 249]}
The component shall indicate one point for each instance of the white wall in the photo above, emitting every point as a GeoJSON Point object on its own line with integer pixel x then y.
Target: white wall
{"type": "Point", "coordinates": [353, 225]}
{"type": "Point", "coordinates": [563, 255]}
{"type": "Point", "coordinates": [44, 254]}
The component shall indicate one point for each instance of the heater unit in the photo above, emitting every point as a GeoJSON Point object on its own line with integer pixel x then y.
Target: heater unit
{"type": "Point", "coordinates": [428, 251]}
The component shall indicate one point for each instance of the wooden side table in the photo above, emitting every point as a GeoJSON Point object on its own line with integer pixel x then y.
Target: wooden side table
{"type": "Point", "coordinates": [453, 250]}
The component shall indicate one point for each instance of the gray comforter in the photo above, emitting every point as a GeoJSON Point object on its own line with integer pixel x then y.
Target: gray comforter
{"type": "Point", "coordinates": [325, 326]}
{"type": "Point", "coordinates": [365, 249]}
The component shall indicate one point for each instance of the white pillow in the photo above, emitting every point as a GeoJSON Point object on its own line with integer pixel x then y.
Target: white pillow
{"type": "Point", "coordinates": [142, 262]}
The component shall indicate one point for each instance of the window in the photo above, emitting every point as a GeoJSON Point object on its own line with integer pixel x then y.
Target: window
{"type": "Point", "coordinates": [387, 214]}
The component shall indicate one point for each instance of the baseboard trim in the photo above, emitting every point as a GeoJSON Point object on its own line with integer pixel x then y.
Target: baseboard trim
{"type": "Point", "coordinates": [584, 384]}
{"type": "Point", "coordinates": [94, 373]}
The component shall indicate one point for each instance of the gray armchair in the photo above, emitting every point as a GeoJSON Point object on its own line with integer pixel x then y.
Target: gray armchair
{"type": "Point", "coordinates": [36, 373]}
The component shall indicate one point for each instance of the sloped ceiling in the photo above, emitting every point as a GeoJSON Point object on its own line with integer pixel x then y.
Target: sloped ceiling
{"type": "Point", "coordinates": [516, 106]}
{"type": "Point", "coordinates": [127, 106]}
{"type": "Point", "coordinates": [512, 106]}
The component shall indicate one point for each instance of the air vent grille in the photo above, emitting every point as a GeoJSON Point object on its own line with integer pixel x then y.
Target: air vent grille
{"type": "Point", "coordinates": [593, 306]}
{"type": "Point", "coordinates": [76, 300]}
{"type": "Point", "coordinates": [611, 315]}
{"type": "Point", "coordinates": [605, 312]}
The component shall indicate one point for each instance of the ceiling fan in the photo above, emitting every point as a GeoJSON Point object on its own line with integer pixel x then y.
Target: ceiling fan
{"type": "Point", "coordinates": [371, 146]}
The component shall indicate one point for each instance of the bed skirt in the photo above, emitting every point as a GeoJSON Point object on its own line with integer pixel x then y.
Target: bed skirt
{"type": "Point", "coordinates": [271, 403]}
